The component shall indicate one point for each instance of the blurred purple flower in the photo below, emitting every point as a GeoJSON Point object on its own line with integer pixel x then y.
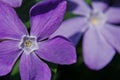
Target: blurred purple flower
{"type": "Point", "coordinates": [46, 16]}
{"type": "Point", "coordinates": [101, 37]}
{"type": "Point", "coordinates": [13, 3]}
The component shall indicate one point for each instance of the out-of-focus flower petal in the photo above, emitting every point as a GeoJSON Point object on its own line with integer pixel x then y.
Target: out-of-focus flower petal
{"type": "Point", "coordinates": [32, 68]}
{"type": "Point", "coordinates": [46, 17]}
{"type": "Point", "coordinates": [113, 15]}
{"type": "Point", "coordinates": [99, 6]}
{"type": "Point", "coordinates": [79, 7]}
{"type": "Point", "coordinates": [72, 29]}
{"type": "Point", "coordinates": [13, 3]}
{"type": "Point", "coordinates": [57, 50]}
{"type": "Point", "coordinates": [9, 53]}
{"type": "Point", "coordinates": [112, 35]}
{"type": "Point", "coordinates": [10, 25]}
{"type": "Point", "coordinates": [97, 52]}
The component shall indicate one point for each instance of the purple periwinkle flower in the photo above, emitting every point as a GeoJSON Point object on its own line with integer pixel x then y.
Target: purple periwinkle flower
{"type": "Point", "coordinates": [101, 36]}
{"type": "Point", "coordinates": [45, 16]}
{"type": "Point", "coordinates": [13, 3]}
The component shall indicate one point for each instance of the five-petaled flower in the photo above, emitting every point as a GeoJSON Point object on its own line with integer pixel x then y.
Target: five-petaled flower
{"type": "Point", "coordinates": [101, 36]}
{"type": "Point", "coordinates": [45, 16]}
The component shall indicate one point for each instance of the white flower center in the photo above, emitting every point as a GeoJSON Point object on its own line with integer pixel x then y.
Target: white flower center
{"type": "Point", "coordinates": [28, 44]}
{"type": "Point", "coordinates": [97, 19]}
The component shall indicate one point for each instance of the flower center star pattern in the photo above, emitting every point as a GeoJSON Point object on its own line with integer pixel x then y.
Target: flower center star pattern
{"type": "Point", "coordinates": [28, 44]}
{"type": "Point", "coordinates": [45, 18]}
{"type": "Point", "coordinates": [101, 37]}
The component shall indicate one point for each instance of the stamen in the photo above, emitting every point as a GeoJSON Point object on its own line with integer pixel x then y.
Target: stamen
{"type": "Point", "coordinates": [94, 21]}
{"type": "Point", "coordinates": [97, 19]}
{"type": "Point", "coordinates": [28, 43]}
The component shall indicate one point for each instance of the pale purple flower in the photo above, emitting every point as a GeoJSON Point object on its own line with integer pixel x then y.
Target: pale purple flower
{"type": "Point", "coordinates": [13, 3]}
{"type": "Point", "coordinates": [101, 37]}
{"type": "Point", "coordinates": [45, 17]}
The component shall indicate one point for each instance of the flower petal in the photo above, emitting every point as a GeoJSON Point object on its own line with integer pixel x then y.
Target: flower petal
{"type": "Point", "coordinates": [79, 7]}
{"type": "Point", "coordinates": [111, 33]}
{"type": "Point", "coordinates": [10, 25]}
{"type": "Point", "coordinates": [9, 53]}
{"type": "Point", "coordinates": [57, 50]}
{"type": "Point", "coordinates": [113, 15]}
{"type": "Point", "coordinates": [72, 29]}
{"type": "Point", "coordinates": [32, 68]}
{"type": "Point", "coordinates": [13, 3]}
{"type": "Point", "coordinates": [46, 17]}
{"type": "Point", "coordinates": [96, 51]}
{"type": "Point", "coordinates": [99, 5]}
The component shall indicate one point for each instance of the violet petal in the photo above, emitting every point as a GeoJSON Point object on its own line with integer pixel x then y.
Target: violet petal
{"type": "Point", "coordinates": [46, 17]}
{"type": "Point", "coordinates": [10, 25]}
{"type": "Point", "coordinates": [111, 33]}
{"type": "Point", "coordinates": [81, 8]}
{"type": "Point", "coordinates": [97, 52]}
{"type": "Point", "coordinates": [99, 6]}
{"type": "Point", "coordinates": [9, 53]}
{"type": "Point", "coordinates": [13, 3]}
{"type": "Point", "coordinates": [32, 68]}
{"type": "Point", "coordinates": [113, 15]}
{"type": "Point", "coordinates": [72, 29]}
{"type": "Point", "coordinates": [57, 50]}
